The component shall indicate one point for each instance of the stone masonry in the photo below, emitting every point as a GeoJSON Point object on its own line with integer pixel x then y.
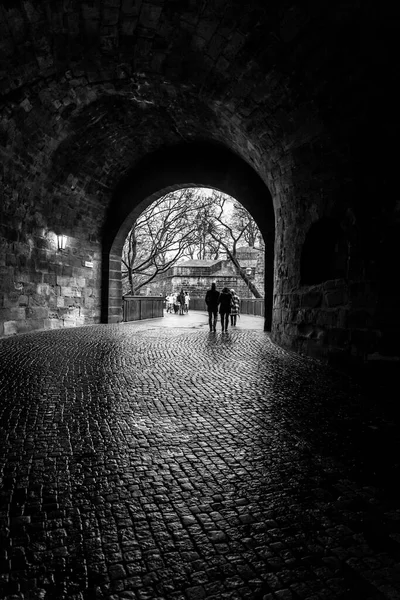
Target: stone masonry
{"type": "Point", "coordinates": [51, 288]}
{"type": "Point", "coordinates": [97, 97]}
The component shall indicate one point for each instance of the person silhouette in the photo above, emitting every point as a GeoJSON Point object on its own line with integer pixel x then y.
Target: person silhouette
{"type": "Point", "coordinates": [181, 300]}
{"type": "Point", "coordinates": [225, 300]}
{"type": "Point", "coordinates": [212, 298]}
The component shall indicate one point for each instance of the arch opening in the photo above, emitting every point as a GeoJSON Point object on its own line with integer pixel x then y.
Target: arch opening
{"type": "Point", "coordinates": [198, 165]}
{"type": "Point", "coordinates": [189, 239]}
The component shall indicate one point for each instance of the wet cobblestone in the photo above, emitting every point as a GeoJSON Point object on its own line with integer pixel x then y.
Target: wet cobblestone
{"type": "Point", "coordinates": [177, 464]}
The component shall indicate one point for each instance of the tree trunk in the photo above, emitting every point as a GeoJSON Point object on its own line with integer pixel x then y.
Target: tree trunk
{"type": "Point", "coordinates": [130, 279]}
{"type": "Point", "coordinates": [243, 275]}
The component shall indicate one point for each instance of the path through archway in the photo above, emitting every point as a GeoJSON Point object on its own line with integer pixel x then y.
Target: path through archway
{"type": "Point", "coordinates": [187, 165]}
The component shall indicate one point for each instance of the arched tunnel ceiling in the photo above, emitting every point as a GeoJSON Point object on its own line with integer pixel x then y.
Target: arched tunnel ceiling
{"type": "Point", "coordinates": [301, 93]}
{"type": "Point", "coordinates": [93, 86]}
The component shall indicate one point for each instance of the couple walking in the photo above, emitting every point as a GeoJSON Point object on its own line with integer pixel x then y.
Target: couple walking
{"type": "Point", "coordinates": [228, 303]}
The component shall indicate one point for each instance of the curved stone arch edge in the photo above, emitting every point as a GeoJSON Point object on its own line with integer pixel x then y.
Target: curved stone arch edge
{"type": "Point", "coordinates": [111, 303]}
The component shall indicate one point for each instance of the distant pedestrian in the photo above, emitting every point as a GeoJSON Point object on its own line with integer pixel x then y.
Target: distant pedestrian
{"type": "Point", "coordinates": [187, 300]}
{"type": "Point", "coordinates": [170, 303]}
{"type": "Point", "coordinates": [235, 307]}
{"type": "Point", "coordinates": [175, 303]}
{"type": "Point", "coordinates": [225, 300]}
{"type": "Point", "coordinates": [212, 299]}
{"type": "Point", "coordinates": [181, 300]}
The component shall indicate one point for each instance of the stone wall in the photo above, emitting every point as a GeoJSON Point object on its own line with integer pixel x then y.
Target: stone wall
{"type": "Point", "coordinates": [46, 288]}
{"type": "Point", "coordinates": [87, 93]}
{"type": "Point", "coordinates": [344, 320]}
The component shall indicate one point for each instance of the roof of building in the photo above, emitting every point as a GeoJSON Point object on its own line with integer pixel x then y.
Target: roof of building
{"type": "Point", "coordinates": [248, 250]}
{"type": "Point", "coordinates": [198, 263]}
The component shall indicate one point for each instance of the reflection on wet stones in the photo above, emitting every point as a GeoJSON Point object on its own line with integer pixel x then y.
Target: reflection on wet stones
{"type": "Point", "coordinates": [183, 466]}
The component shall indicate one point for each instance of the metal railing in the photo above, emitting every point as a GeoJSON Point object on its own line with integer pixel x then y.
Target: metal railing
{"type": "Point", "coordinates": [136, 308]}
{"type": "Point", "coordinates": [252, 306]}
{"type": "Point", "coordinates": [248, 306]}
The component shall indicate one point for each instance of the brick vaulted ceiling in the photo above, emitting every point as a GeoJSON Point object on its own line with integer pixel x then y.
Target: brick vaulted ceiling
{"type": "Point", "coordinates": [88, 87]}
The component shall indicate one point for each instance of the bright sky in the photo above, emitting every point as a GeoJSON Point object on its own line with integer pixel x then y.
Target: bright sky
{"type": "Point", "coordinates": [206, 192]}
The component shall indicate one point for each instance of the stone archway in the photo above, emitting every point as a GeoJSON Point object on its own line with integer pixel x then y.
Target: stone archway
{"type": "Point", "coordinates": [185, 165]}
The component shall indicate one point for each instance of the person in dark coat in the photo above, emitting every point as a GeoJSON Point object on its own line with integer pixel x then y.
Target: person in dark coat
{"type": "Point", "coordinates": [181, 300]}
{"type": "Point", "coordinates": [212, 298]}
{"type": "Point", "coordinates": [225, 300]}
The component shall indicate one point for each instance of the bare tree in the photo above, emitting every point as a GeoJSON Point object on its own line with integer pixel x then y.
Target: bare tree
{"type": "Point", "coordinates": [186, 224]}
{"type": "Point", "coordinates": [228, 232]}
{"type": "Point", "coordinates": [242, 220]}
{"type": "Point", "coordinates": [163, 234]}
{"type": "Point", "coordinates": [205, 247]}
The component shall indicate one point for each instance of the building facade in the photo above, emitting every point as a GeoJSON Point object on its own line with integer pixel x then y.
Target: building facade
{"type": "Point", "coordinates": [196, 276]}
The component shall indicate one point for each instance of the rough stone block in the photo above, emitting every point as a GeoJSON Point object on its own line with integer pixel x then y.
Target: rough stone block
{"type": "Point", "coordinates": [14, 313]}
{"type": "Point", "coordinates": [66, 271]}
{"type": "Point", "coordinates": [294, 301]}
{"type": "Point", "coordinates": [73, 312]}
{"type": "Point", "coordinates": [11, 260]}
{"type": "Point", "coordinates": [36, 277]}
{"type": "Point", "coordinates": [38, 312]}
{"type": "Point", "coordinates": [311, 299]}
{"type": "Point", "coordinates": [11, 299]}
{"type": "Point", "coordinates": [336, 297]}
{"type": "Point", "coordinates": [43, 289]}
{"type": "Point", "coordinates": [80, 272]}
{"type": "Point", "coordinates": [332, 284]}
{"type": "Point", "coordinates": [55, 268]}
{"type": "Point", "coordinates": [128, 26]}
{"type": "Point", "coordinates": [54, 323]}
{"type": "Point", "coordinates": [327, 318]}
{"type": "Point", "coordinates": [309, 330]}
{"type": "Point", "coordinates": [64, 281]}
{"type": "Point", "coordinates": [10, 327]}
{"type": "Point", "coordinates": [30, 325]}
{"type": "Point", "coordinates": [115, 285]}
{"type": "Point", "coordinates": [69, 323]}
{"type": "Point", "coordinates": [298, 316]}
{"type": "Point", "coordinates": [38, 300]}
{"type": "Point", "coordinates": [88, 302]}
{"type": "Point", "coordinates": [314, 348]}
{"type": "Point", "coordinates": [50, 279]}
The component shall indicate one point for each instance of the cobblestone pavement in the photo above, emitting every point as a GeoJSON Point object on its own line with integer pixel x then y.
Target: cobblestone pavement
{"type": "Point", "coordinates": [145, 463]}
